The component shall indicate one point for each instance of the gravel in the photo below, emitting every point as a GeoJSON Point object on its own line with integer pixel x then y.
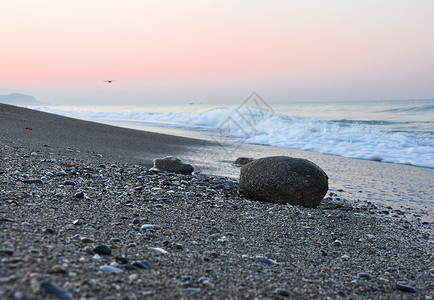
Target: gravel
{"type": "Point", "coordinates": [170, 236]}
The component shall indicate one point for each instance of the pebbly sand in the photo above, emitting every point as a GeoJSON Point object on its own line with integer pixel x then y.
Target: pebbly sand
{"type": "Point", "coordinates": [95, 224]}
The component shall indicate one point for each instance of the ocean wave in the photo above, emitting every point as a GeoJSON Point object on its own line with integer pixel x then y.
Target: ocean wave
{"type": "Point", "coordinates": [411, 109]}
{"type": "Point", "coordinates": [348, 138]}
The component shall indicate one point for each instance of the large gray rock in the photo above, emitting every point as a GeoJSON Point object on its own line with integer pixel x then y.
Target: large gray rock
{"type": "Point", "coordinates": [172, 164]}
{"type": "Point", "coordinates": [283, 179]}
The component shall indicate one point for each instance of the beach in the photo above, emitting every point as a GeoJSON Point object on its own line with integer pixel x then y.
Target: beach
{"type": "Point", "coordinates": [83, 218]}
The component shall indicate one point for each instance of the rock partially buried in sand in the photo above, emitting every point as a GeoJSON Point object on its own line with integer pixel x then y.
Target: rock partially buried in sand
{"type": "Point", "coordinates": [172, 164]}
{"type": "Point", "coordinates": [283, 179]}
{"type": "Point", "coordinates": [243, 160]}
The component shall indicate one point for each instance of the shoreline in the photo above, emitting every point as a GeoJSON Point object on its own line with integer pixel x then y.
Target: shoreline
{"type": "Point", "coordinates": [198, 234]}
{"type": "Point", "coordinates": [396, 185]}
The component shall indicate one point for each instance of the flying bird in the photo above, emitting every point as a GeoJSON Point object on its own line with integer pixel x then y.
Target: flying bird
{"type": "Point", "coordinates": [109, 81]}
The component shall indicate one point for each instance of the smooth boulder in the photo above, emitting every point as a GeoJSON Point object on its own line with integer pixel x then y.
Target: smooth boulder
{"type": "Point", "coordinates": [172, 164]}
{"type": "Point", "coordinates": [283, 179]}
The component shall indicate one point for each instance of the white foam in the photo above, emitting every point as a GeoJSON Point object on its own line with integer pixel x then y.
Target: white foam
{"type": "Point", "coordinates": [262, 127]}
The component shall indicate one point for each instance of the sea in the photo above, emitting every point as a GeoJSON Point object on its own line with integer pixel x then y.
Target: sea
{"type": "Point", "coordinates": [393, 131]}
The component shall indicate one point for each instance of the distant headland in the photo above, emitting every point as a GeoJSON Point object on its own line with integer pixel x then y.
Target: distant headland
{"type": "Point", "coordinates": [19, 99]}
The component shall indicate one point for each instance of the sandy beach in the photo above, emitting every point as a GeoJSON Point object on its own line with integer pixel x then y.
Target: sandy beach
{"type": "Point", "coordinates": [81, 217]}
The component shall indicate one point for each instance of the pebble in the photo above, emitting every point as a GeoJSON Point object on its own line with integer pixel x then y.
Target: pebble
{"type": "Point", "coordinates": [49, 230]}
{"type": "Point", "coordinates": [86, 240]}
{"type": "Point", "coordinates": [79, 195]}
{"type": "Point", "coordinates": [102, 250]}
{"type": "Point", "coordinates": [121, 260]}
{"type": "Point", "coordinates": [133, 277]}
{"type": "Point", "coordinates": [365, 275]}
{"type": "Point", "coordinates": [266, 261]}
{"type": "Point", "coordinates": [78, 222]}
{"type": "Point", "coordinates": [69, 182]}
{"type": "Point", "coordinates": [142, 265]}
{"type": "Point", "coordinates": [405, 288]}
{"type": "Point", "coordinates": [205, 281]}
{"type": "Point", "coordinates": [190, 290]}
{"type": "Point", "coordinates": [57, 269]}
{"type": "Point", "coordinates": [282, 292]}
{"type": "Point", "coordinates": [128, 267]}
{"type": "Point", "coordinates": [50, 288]}
{"type": "Point", "coordinates": [33, 181]}
{"type": "Point", "coordinates": [167, 232]}
{"type": "Point", "coordinates": [178, 246]}
{"type": "Point", "coordinates": [159, 250]}
{"type": "Point", "coordinates": [147, 227]}
{"type": "Point", "coordinates": [110, 269]}
{"type": "Point", "coordinates": [215, 231]}
{"type": "Point", "coordinates": [6, 252]}
{"type": "Point", "coordinates": [337, 243]}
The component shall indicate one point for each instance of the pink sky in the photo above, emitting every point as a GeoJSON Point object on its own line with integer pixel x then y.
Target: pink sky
{"type": "Point", "coordinates": [62, 51]}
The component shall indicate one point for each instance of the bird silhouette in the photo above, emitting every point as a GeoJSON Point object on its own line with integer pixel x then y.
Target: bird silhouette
{"type": "Point", "coordinates": [109, 81]}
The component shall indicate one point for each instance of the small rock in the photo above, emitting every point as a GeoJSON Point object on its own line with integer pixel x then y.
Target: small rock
{"type": "Point", "coordinates": [154, 171]}
{"type": "Point", "coordinates": [6, 252]}
{"type": "Point", "coordinates": [405, 288]}
{"type": "Point", "coordinates": [337, 243]}
{"type": "Point", "coordinates": [133, 277]}
{"type": "Point", "coordinates": [190, 290]}
{"type": "Point", "coordinates": [78, 222]}
{"type": "Point", "coordinates": [266, 261]}
{"type": "Point", "coordinates": [57, 269]}
{"type": "Point", "coordinates": [206, 282]}
{"type": "Point", "coordinates": [243, 160]}
{"type": "Point", "coordinates": [159, 250]}
{"type": "Point", "coordinates": [215, 231]}
{"type": "Point", "coordinates": [69, 182]}
{"type": "Point", "coordinates": [172, 164]}
{"type": "Point", "coordinates": [147, 227]}
{"type": "Point", "coordinates": [128, 267]}
{"type": "Point", "coordinates": [48, 287]}
{"type": "Point", "coordinates": [86, 240]}
{"type": "Point", "coordinates": [102, 250]}
{"type": "Point", "coordinates": [178, 246]}
{"type": "Point", "coordinates": [33, 181]}
{"type": "Point", "coordinates": [79, 195]}
{"type": "Point", "coordinates": [282, 292]}
{"type": "Point", "coordinates": [365, 275]}
{"type": "Point", "coordinates": [211, 191]}
{"type": "Point", "coordinates": [142, 265]}
{"type": "Point", "coordinates": [167, 232]}
{"type": "Point", "coordinates": [121, 260]}
{"type": "Point", "coordinates": [110, 269]}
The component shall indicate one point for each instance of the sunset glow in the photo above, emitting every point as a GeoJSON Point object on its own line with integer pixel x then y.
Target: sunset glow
{"type": "Point", "coordinates": [287, 50]}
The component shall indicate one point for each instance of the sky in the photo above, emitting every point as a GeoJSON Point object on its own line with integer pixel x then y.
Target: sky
{"type": "Point", "coordinates": [216, 51]}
